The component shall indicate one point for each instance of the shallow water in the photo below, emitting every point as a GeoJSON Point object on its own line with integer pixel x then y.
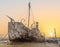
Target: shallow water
{"type": "Point", "coordinates": [32, 45]}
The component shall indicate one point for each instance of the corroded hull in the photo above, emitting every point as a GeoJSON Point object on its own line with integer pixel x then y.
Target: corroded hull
{"type": "Point", "coordinates": [17, 31]}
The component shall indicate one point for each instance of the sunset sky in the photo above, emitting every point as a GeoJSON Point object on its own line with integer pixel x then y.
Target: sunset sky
{"type": "Point", "coordinates": [46, 12]}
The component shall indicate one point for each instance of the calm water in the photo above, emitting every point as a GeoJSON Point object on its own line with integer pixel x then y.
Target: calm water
{"type": "Point", "coordinates": [32, 45]}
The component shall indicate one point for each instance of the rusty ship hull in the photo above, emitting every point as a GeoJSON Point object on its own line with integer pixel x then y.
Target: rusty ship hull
{"type": "Point", "coordinates": [18, 32]}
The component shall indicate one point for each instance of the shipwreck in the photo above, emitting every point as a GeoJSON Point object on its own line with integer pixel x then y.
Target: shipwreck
{"type": "Point", "coordinates": [18, 32]}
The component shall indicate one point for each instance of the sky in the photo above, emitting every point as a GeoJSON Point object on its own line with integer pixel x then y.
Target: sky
{"type": "Point", "coordinates": [46, 12]}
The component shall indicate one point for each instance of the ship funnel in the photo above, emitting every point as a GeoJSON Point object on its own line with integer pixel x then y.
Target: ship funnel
{"type": "Point", "coordinates": [12, 20]}
{"type": "Point", "coordinates": [36, 25]}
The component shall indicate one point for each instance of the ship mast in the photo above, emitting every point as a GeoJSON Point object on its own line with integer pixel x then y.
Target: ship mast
{"type": "Point", "coordinates": [55, 32]}
{"type": "Point", "coordinates": [29, 13]}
